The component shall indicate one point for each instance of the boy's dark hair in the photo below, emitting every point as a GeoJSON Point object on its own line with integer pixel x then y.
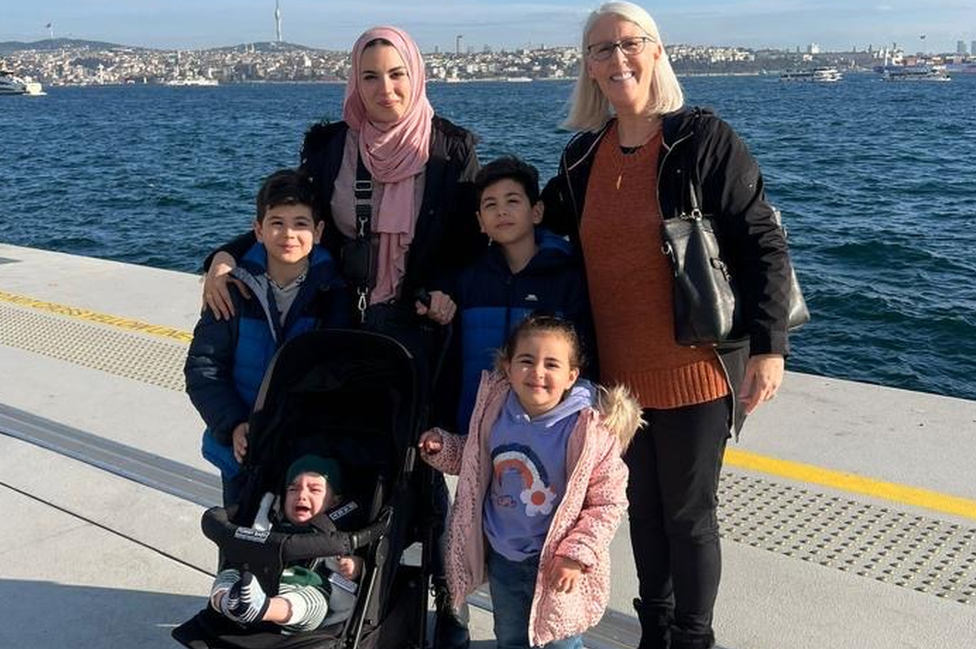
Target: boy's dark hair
{"type": "Point", "coordinates": [286, 187]}
{"type": "Point", "coordinates": [543, 321]}
{"type": "Point", "coordinates": [511, 168]}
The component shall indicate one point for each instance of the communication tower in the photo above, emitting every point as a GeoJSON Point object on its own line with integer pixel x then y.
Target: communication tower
{"type": "Point", "coordinates": [278, 21]}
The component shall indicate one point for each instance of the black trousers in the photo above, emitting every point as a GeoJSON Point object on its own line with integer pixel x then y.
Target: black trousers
{"type": "Point", "coordinates": [673, 492]}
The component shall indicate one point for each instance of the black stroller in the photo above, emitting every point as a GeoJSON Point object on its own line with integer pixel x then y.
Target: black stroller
{"type": "Point", "coordinates": [353, 396]}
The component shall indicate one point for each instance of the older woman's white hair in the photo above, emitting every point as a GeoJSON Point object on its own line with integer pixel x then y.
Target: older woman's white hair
{"type": "Point", "coordinates": [589, 109]}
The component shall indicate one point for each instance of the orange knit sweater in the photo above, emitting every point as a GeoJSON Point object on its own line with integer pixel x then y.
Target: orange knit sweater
{"type": "Point", "coordinates": [630, 284]}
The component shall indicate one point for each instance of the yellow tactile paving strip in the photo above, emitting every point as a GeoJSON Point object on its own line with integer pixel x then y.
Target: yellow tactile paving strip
{"type": "Point", "coordinates": [145, 356]}
{"type": "Point", "coordinates": [91, 316]}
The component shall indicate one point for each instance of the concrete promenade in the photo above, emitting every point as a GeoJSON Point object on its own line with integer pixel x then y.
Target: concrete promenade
{"type": "Point", "coordinates": [848, 510]}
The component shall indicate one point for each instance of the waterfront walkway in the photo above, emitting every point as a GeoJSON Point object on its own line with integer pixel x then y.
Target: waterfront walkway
{"type": "Point", "coordinates": [848, 510]}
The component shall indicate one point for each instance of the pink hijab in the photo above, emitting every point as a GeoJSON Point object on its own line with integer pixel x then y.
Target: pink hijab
{"type": "Point", "coordinates": [394, 154]}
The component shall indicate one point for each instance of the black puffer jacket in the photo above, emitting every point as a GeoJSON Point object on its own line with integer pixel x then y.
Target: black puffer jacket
{"type": "Point", "coordinates": [446, 237]}
{"type": "Point", "coordinates": [697, 142]}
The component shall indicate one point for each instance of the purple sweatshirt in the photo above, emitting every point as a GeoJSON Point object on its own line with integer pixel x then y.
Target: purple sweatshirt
{"type": "Point", "coordinates": [529, 472]}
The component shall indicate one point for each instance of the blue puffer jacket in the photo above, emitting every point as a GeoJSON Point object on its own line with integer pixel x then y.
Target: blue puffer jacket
{"type": "Point", "coordinates": [492, 301]}
{"type": "Point", "coordinates": [228, 358]}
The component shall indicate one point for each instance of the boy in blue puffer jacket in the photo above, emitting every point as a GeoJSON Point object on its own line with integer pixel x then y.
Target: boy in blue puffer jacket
{"type": "Point", "coordinates": [294, 287]}
{"type": "Point", "coordinates": [525, 269]}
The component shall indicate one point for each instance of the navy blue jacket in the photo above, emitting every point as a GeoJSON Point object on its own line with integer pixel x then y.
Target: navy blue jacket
{"type": "Point", "coordinates": [228, 358]}
{"type": "Point", "coordinates": [492, 301]}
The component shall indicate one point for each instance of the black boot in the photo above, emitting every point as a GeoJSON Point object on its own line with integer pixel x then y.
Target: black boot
{"type": "Point", "coordinates": [450, 627]}
{"type": "Point", "coordinates": [655, 627]}
{"type": "Point", "coordinates": [681, 639]}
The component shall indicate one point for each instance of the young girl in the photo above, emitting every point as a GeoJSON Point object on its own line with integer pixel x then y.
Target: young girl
{"type": "Point", "coordinates": [542, 481]}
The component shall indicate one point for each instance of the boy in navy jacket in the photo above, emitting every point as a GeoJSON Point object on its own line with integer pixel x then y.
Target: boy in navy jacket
{"type": "Point", "coordinates": [294, 287]}
{"type": "Point", "coordinates": [525, 269]}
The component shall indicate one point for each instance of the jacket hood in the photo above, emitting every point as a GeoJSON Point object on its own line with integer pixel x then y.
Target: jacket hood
{"type": "Point", "coordinates": [254, 264]}
{"type": "Point", "coordinates": [620, 413]}
{"type": "Point", "coordinates": [582, 395]}
{"type": "Point", "coordinates": [619, 410]}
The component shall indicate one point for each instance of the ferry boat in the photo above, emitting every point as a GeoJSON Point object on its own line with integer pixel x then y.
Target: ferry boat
{"type": "Point", "coordinates": [961, 68]}
{"type": "Point", "coordinates": [13, 85]}
{"type": "Point", "coordinates": [921, 72]}
{"type": "Point", "coordinates": [819, 75]}
{"type": "Point", "coordinates": [192, 81]}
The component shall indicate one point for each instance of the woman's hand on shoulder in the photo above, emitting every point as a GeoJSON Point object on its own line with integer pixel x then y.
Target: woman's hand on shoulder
{"type": "Point", "coordinates": [764, 375]}
{"type": "Point", "coordinates": [216, 293]}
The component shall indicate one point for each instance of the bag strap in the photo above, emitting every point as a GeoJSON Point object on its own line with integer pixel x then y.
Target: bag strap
{"type": "Point", "coordinates": [363, 203]}
{"type": "Point", "coordinates": [691, 210]}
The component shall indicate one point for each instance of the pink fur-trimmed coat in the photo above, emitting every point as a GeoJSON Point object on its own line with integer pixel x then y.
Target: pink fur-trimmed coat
{"type": "Point", "coordinates": [582, 526]}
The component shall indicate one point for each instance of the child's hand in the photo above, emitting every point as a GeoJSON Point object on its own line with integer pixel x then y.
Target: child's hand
{"type": "Point", "coordinates": [564, 574]}
{"type": "Point", "coordinates": [350, 567]}
{"type": "Point", "coordinates": [240, 442]}
{"type": "Point", "coordinates": [431, 442]}
{"type": "Point", "coordinates": [441, 309]}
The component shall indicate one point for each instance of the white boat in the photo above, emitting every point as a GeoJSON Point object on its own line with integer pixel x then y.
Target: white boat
{"type": "Point", "coordinates": [819, 75]}
{"type": "Point", "coordinates": [13, 85]}
{"type": "Point", "coordinates": [915, 73]}
{"type": "Point", "coordinates": [193, 81]}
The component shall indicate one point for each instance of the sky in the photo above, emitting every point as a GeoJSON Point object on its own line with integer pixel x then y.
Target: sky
{"type": "Point", "coordinates": [193, 24]}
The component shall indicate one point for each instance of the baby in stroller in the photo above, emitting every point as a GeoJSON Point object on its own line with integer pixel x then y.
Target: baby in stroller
{"type": "Point", "coordinates": [351, 400]}
{"type": "Point", "coordinates": [312, 594]}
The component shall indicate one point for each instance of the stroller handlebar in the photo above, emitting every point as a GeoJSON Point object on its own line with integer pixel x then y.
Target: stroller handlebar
{"type": "Point", "coordinates": [244, 545]}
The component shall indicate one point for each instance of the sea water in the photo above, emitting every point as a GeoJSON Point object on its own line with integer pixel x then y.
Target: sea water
{"type": "Point", "coordinates": [875, 181]}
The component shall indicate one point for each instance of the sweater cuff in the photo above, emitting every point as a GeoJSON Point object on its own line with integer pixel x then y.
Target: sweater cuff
{"type": "Point", "coordinates": [769, 342]}
{"type": "Point", "coordinates": [578, 552]}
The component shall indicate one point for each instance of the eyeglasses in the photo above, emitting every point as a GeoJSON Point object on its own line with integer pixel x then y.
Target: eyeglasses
{"type": "Point", "coordinates": [629, 46]}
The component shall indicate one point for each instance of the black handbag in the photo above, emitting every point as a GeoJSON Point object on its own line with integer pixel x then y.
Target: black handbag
{"type": "Point", "coordinates": [707, 312]}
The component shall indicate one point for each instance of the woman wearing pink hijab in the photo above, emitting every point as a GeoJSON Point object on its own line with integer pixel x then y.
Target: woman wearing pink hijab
{"type": "Point", "coordinates": [422, 227]}
{"type": "Point", "coordinates": [423, 223]}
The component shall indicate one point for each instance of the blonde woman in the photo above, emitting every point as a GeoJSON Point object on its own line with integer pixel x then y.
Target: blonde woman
{"type": "Point", "coordinates": [625, 171]}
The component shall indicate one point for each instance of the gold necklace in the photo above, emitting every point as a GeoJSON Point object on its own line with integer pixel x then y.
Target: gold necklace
{"type": "Point", "coordinates": [630, 152]}
{"type": "Point", "coordinates": [627, 154]}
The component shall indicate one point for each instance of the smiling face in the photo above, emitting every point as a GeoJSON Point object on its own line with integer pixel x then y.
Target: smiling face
{"type": "Point", "coordinates": [288, 232]}
{"type": "Point", "coordinates": [384, 84]}
{"type": "Point", "coordinates": [306, 497]}
{"type": "Point", "coordinates": [541, 370]}
{"type": "Point", "coordinates": [505, 213]}
{"type": "Point", "coordinates": [625, 80]}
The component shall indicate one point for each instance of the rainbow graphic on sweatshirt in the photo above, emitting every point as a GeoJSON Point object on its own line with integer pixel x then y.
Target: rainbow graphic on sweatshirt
{"type": "Point", "coordinates": [537, 496]}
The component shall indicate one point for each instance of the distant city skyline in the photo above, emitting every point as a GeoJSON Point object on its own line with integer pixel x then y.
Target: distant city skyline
{"type": "Point", "coordinates": [933, 26]}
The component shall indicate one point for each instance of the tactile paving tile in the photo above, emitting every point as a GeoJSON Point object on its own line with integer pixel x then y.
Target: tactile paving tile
{"type": "Point", "coordinates": [135, 356]}
{"type": "Point", "coordinates": [907, 550]}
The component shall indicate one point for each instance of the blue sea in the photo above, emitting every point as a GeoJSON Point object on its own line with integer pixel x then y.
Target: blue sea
{"type": "Point", "coordinates": [875, 181]}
